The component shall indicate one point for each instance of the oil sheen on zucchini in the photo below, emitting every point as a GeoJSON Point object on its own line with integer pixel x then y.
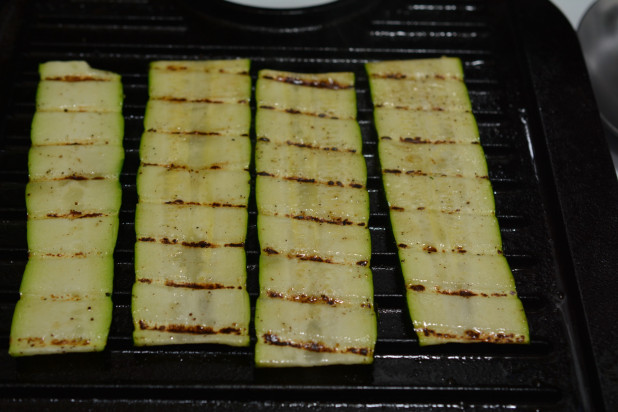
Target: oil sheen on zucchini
{"type": "Point", "coordinates": [73, 198]}
{"type": "Point", "coordinates": [459, 285]}
{"type": "Point", "coordinates": [191, 219]}
{"type": "Point", "coordinates": [316, 293]}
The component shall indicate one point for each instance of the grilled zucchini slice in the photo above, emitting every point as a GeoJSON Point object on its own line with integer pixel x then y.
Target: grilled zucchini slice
{"type": "Point", "coordinates": [459, 285]}
{"type": "Point", "coordinates": [191, 219]}
{"type": "Point", "coordinates": [73, 198]}
{"type": "Point", "coordinates": [316, 294]}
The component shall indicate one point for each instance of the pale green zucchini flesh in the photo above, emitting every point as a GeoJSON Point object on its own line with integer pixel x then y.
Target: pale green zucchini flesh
{"type": "Point", "coordinates": [308, 131]}
{"type": "Point", "coordinates": [459, 285]}
{"type": "Point", "coordinates": [72, 236]}
{"type": "Point", "coordinates": [75, 162]}
{"type": "Point", "coordinates": [73, 198]}
{"type": "Point", "coordinates": [191, 218]}
{"type": "Point", "coordinates": [157, 184]}
{"type": "Point", "coordinates": [68, 197]}
{"type": "Point", "coordinates": [316, 294]}
{"type": "Point", "coordinates": [210, 268]}
{"type": "Point", "coordinates": [196, 117]}
{"type": "Point", "coordinates": [56, 128]}
{"type": "Point", "coordinates": [195, 152]}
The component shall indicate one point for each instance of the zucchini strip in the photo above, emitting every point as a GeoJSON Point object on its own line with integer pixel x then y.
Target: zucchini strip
{"type": "Point", "coordinates": [458, 283]}
{"type": "Point", "coordinates": [191, 218]}
{"type": "Point", "coordinates": [316, 293]}
{"type": "Point", "coordinates": [73, 198]}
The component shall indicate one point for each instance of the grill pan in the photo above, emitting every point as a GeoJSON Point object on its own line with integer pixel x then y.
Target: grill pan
{"type": "Point", "coordinates": [555, 189]}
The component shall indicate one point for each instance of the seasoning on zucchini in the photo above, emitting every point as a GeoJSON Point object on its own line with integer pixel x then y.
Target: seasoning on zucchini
{"type": "Point", "coordinates": [459, 285]}
{"type": "Point", "coordinates": [316, 293]}
{"type": "Point", "coordinates": [72, 199]}
{"type": "Point", "coordinates": [191, 219]}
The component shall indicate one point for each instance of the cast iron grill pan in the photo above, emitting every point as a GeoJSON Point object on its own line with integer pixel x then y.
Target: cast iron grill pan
{"type": "Point", "coordinates": [555, 372]}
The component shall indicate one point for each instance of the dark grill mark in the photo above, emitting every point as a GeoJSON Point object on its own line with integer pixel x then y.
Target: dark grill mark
{"type": "Point", "coordinates": [296, 111]}
{"type": "Point", "coordinates": [173, 99]}
{"type": "Point", "coordinates": [75, 177]}
{"type": "Point", "coordinates": [303, 298]}
{"type": "Point", "coordinates": [173, 166]}
{"type": "Point", "coordinates": [190, 132]}
{"type": "Point", "coordinates": [313, 258]}
{"type": "Point", "coordinates": [70, 342]}
{"type": "Point", "coordinates": [420, 140]}
{"type": "Point", "coordinates": [40, 342]}
{"type": "Point", "coordinates": [416, 173]}
{"type": "Point", "coordinates": [429, 249]}
{"type": "Point", "coordinates": [397, 208]}
{"type": "Point", "coordinates": [473, 335]}
{"type": "Point", "coordinates": [464, 293]}
{"type": "Point", "coordinates": [417, 288]}
{"type": "Point", "coordinates": [200, 244]}
{"type": "Point", "coordinates": [74, 214]}
{"type": "Point", "coordinates": [402, 76]}
{"type": "Point", "coordinates": [272, 339]}
{"type": "Point", "coordinates": [182, 68]}
{"type": "Point", "coordinates": [190, 329]}
{"type": "Point", "coordinates": [393, 171]}
{"type": "Point", "coordinates": [362, 263]}
{"type": "Point", "coordinates": [300, 179]}
{"type": "Point", "coordinates": [320, 84]}
{"type": "Point", "coordinates": [431, 332]}
{"type": "Point", "coordinates": [241, 244]}
{"type": "Point", "coordinates": [334, 221]}
{"type": "Point", "coordinates": [144, 280]}
{"type": "Point", "coordinates": [416, 139]}
{"type": "Point", "coordinates": [193, 285]}
{"type": "Point", "coordinates": [75, 78]}
{"type": "Point", "coordinates": [213, 204]}
{"type": "Point", "coordinates": [270, 251]}
{"type": "Point", "coordinates": [310, 146]}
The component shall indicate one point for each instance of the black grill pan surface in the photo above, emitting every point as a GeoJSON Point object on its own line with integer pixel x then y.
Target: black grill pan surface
{"type": "Point", "coordinates": [555, 189]}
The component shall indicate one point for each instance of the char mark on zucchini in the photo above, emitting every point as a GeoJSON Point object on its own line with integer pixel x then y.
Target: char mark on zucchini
{"type": "Point", "coordinates": [302, 113]}
{"type": "Point", "coordinates": [190, 132]}
{"type": "Point", "coordinates": [75, 79]}
{"type": "Point", "coordinates": [191, 329]}
{"type": "Point", "coordinates": [273, 339]}
{"type": "Point", "coordinates": [195, 285]}
{"type": "Point", "coordinates": [317, 83]}
{"type": "Point", "coordinates": [334, 221]}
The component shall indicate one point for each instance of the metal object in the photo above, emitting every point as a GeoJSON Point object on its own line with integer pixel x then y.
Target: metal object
{"type": "Point", "coordinates": [556, 201]}
{"type": "Point", "coordinates": [598, 35]}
